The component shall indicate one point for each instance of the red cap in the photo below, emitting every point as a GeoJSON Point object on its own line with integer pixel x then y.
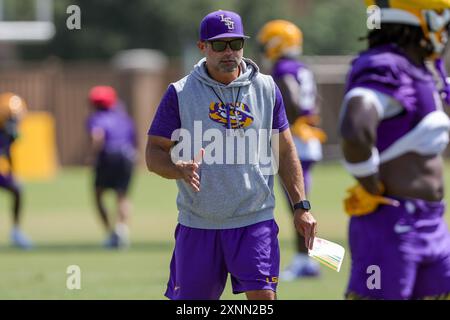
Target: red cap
{"type": "Point", "coordinates": [103, 96]}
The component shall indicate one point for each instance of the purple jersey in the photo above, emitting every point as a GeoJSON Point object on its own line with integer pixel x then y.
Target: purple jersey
{"type": "Point", "coordinates": [388, 70]}
{"type": "Point", "coordinates": [167, 117]}
{"type": "Point", "coordinates": [286, 66]}
{"type": "Point", "coordinates": [120, 134]}
{"type": "Point", "coordinates": [305, 79]}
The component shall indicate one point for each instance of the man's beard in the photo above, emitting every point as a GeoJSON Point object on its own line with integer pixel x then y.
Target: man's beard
{"type": "Point", "coordinates": [229, 67]}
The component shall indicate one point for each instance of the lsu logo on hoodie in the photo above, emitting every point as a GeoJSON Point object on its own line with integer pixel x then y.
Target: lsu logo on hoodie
{"type": "Point", "coordinates": [231, 115]}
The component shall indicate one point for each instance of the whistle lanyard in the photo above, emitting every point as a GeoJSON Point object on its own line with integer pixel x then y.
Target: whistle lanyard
{"type": "Point", "coordinates": [228, 108]}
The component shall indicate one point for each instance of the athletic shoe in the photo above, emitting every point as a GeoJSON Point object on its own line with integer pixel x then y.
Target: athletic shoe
{"type": "Point", "coordinates": [119, 238]}
{"type": "Point", "coordinates": [302, 266]}
{"type": "Point", "coordinates": [20, 240]}
{"type": "Point", "coordinates": [112, 241]}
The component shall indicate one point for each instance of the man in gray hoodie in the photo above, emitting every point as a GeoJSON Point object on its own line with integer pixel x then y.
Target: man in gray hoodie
{"type": "Point", "coordinates": [230, 116]}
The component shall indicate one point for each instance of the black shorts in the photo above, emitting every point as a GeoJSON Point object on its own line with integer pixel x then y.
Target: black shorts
{"type": "Point", "coordinates": [113, 171]}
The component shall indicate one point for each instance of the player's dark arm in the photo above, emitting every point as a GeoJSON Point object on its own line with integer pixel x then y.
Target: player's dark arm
{"type": "Point", "coordinates": [12, 134]}
{"type": "Point", "coordinates": [290, 89]}
{"type": "Point", "coordinates": [358, 132]}
{"type": "Point", "coordinates": [10, 162]}
{"type": "Point", "coordinates": [291, 174]}
{"type": "Point", "coordinates": [97, 140]}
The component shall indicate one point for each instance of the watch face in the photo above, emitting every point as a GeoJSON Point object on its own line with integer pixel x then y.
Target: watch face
{"type": "Point", "coordinates": [306, 205]}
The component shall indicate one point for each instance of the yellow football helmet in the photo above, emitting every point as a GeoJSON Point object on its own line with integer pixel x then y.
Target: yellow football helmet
{"type": "Point", "coordinates": [433, 16]}
{"type": "Point", "coordinates": [11, 107]}
{"type": "Point", "coordinates": [280, 37]}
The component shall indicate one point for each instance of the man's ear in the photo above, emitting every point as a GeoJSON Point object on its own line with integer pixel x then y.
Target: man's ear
{"type": "Point", "coordinates": [201, 45]}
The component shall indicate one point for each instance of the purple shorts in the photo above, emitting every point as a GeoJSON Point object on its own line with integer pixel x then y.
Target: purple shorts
{"type": "Point", "coordinates": [203, 258]}
{"type": "Point", "coordinates": [410, 245]}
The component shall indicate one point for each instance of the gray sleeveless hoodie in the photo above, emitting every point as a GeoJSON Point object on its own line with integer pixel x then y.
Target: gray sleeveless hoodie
{"type": "Point", "coordinates": [233, 193]}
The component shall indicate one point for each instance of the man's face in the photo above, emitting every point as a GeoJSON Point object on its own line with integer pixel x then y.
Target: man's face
{"type": "Point", "coordinates": [225, 61]}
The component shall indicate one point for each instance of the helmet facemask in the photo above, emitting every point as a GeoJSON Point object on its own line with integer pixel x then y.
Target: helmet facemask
{"type": "Point", "coordinates": [436, 29]}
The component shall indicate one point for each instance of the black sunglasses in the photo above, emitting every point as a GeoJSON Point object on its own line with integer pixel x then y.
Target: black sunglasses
{"type": "Point", "coordinates": [221, 45]}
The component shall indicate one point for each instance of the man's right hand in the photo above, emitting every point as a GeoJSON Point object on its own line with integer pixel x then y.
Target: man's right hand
{"type": "Point", "coordinates": [306, 226]}
{"type": "Point", "coordinates": [189, 170]}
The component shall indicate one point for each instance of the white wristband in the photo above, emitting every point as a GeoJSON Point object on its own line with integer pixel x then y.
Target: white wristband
{"type": "Point", "coordinates": [364, 168]}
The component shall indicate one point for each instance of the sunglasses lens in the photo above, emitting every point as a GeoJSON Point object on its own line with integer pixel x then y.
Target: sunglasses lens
{"type": "Point", "coordinates": [236, 44]}
{"type": "Point", "coordinates": [218, 45]}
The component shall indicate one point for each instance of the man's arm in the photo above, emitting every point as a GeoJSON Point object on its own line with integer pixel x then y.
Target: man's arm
{"type": "Point", "coordinates": [358, 130]}
{"type": "Point", "coordinates": [291, 174]}
{"type": "Point", "coordinates": [159, 161]}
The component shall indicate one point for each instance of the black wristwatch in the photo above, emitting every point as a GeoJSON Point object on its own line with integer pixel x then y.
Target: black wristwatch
{"type": "Point", "coordinates": [304, 204]}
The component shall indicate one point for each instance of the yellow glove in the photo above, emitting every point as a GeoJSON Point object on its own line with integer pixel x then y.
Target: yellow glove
{"type": "Point", "coordinates": [304, 129]}
{"type": "Point", "coordinates": [359, 202]}
{"type": "Point", "coordinates": [5, 167]}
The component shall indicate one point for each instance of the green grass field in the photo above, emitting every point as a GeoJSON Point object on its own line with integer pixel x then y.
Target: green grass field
{"type": "Point", "coordinates": [60, 218]}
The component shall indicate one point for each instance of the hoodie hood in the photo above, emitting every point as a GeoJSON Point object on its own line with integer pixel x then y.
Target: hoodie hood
{"type": "Point", "coordinates": [249, 70]}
